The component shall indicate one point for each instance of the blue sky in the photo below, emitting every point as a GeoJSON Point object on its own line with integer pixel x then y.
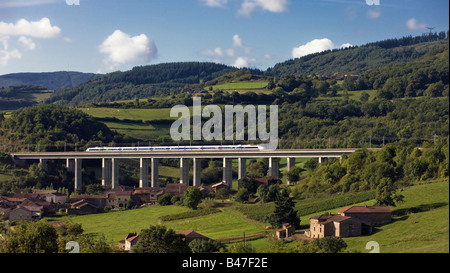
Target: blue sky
{"type": "Point", "coordinates": [104, 36]}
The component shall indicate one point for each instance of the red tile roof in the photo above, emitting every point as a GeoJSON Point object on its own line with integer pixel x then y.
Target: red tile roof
{"type": "Point", "coordinates": [366, 209]}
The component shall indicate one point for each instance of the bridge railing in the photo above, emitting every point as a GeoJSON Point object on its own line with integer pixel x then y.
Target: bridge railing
{"type": "Point", "coordinates": [316, 143]}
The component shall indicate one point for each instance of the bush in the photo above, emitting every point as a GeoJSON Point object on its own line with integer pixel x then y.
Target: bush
{"type": "Point", "coordinates": [165, 199]}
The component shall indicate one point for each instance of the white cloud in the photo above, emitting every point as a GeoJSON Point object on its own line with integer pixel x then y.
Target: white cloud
{"type": "Point", "coordinates": [248, 6]}
{"type": "Point", "coordinates": [345, 45]}
{"type": "Point", "coordinates": [316, 45]}
{"type": "Point", "coordinates": [5, 53]}
{"type": "Point", "coordinates": [373, 14]}
{"type": "Point", "coordinates": [121, 48]}
{"type": "Point", "coordinates": [25, 3]}
{"type": "Point", "coordinates": [27, 43]}
{"type": "Point", "coordinates": [237, 41]}
{"type": "Point", "coordinates": [215, 3]}
{"type": "Point", "coordinates": [237, 55]}
{"type": "Point", "coordinates": [38, 29]}
{"type": "Point", "coordinates": [24, 29]}
{"type": "Point", "coordinates": [412, 24]}
{"type": "Point", "coordinates": [240, 62]}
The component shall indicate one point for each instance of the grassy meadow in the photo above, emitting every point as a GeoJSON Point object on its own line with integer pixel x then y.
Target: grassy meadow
{"type": "Point", "coordinates": [420, 223]}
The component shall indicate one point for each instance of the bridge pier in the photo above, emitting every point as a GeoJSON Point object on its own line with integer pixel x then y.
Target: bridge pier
{"type": "Point", "coordinates": [290, 165]}
{"type": "Point", "coordinates": [155, 172]}
{"type": "Point", "coordinates": [106, 172]}
{"type": "Point", "coordinates": [184, 171]}
{"type": "Point", "coordinates": [43, 163]}
{"type": "Point", "coordinates": [274, 167]}
{"type": "Point", "coordinates": [242, 167]}
{"type": "Point", "coordinates": [114, 173]}
{"type": "Point", "coordinates": [228, 171]}
{"type": "Point", "coordinates": [78, 164]}
{"type": "Point", "coordinates": [70, 165]}
{"type": "Point", "coordinates": [143, 180]}
{"type": "Point", "coordinates": [197, 172]}
{"type": "Point", "coordinates": [323, 160]}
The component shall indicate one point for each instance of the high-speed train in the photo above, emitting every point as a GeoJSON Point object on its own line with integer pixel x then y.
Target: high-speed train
{"type": "Point", "coordinates": [176, 148]}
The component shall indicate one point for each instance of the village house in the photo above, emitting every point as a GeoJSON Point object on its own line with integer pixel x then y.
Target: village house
{"type": "Point", "coordinates": [148, 195]}
{"type": "Point", "coordinates": [191, 235]}
{"type": "Point", "coordinates": [220, 185]}
{"type": "Point", "coordinates": [176, 189]}
{"type": "Point", "coordinates": [56, 197]}
{"type": "Point", "coordinates": [286, 231]}
{"type": "Point", "coordinates": [99, 200]}
{"type": "Point", "coordinates": [28, 213]}
{"type": "Point", "coordinates": [349, 222]}
{"type": "Point", "coordinates": [83, 207]}
{"type": "Point", "coordinates": [205, 190]}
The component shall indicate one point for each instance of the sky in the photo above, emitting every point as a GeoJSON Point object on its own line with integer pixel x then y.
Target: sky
{"type": "Point", "coordinates": [102, 36]}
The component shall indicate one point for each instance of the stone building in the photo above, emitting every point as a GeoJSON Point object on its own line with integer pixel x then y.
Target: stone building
{"type": "Point", "coordinates": [349, 222]}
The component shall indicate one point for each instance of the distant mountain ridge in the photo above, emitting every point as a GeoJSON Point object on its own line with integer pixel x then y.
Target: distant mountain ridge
{"type": "Point", "coordinates": [50, 80]}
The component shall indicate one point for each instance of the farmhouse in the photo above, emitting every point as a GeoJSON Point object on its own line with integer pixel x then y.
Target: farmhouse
{"type": "Point", "coordinates": [334, 225]}
{"type": "Point", "coordinates": [351, 221]}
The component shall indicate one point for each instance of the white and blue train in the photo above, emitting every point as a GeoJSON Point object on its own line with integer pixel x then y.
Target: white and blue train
{"type": "Point", "coordinates": [176, 148]}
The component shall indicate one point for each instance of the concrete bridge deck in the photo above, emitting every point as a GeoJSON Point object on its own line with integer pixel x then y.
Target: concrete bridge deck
{"type": "Point", "coordinates": [110, 168]}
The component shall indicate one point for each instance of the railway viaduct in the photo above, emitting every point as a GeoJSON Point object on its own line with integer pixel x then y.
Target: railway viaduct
{"type": "Point", "coordinates": [110, 168]}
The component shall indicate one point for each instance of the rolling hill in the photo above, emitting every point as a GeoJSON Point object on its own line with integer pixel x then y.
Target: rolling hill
{"type": "Point", "coordinates": [50, 80]}
{"type": "Point", "coordinates": [356, 60]}
{"type": "Point", "coordinates": [140, 82]}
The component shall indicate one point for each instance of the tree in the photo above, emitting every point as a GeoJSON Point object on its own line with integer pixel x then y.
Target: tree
{"type": "Point", "coordinates": [159, 239]}
{"type": "Point", "coordinates": [212, 174]}
{"type": "Point", "coordinates": [205, 246]}
{"type": "Point", "coordinates": [165, 199]}
{"type": "Point", "coordinates": [262, 193]}
{"type": "Point", "coordinates": [242, 195]}
{"type": "Point", "coordinates": [192, 197]}
{"type": "Point", "coordinates": [284, 211]}
{"type": "Point", "coordinates": [364, 97]}
{"type": "Point", "coordinates": [330, 244]}
{"type": "Point", "coordinates": [241, 248]}
{"type": "Point", "coordinates": [33, 237]}
{"type": "Point", "coordinates": [223, 193]}
{"type": "Point", "coordinates": [435, 89]}
{"type": "Point", "coordinates": [293, 175]}
{"type": "Point", "coordinates": [311, 164]}
{"type": "Point", "coordinates": [386, 193]}
{"type": "Point", "coordinates": [257, 169]}
{"type": "Point", "coordinates": [349, 83]}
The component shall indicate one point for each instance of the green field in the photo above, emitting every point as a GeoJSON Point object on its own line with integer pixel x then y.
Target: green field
{"type": "Point", "coordinates": [144, 132]}
{"type": "Point", "coordinates": [241, 85]}
{"type": "Point", "coordinates": [426, 230]}
{"type": "Point", "coordinates": [116, 225]}
{"type": "Point", "coordinates": [5, 177]}
{"type": "Point", "coordinates": [131, 113]}
{"type": "Point", "coordinates": [352, 95]}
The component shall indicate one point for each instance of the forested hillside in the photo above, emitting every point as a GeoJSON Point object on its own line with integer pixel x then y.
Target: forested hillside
{"type": "Point", "coordinates": [140, 82]}
{"type": "Point", "coordinates": [356, 60]}
{"type": "Point", "coordinates": [52, 124]}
